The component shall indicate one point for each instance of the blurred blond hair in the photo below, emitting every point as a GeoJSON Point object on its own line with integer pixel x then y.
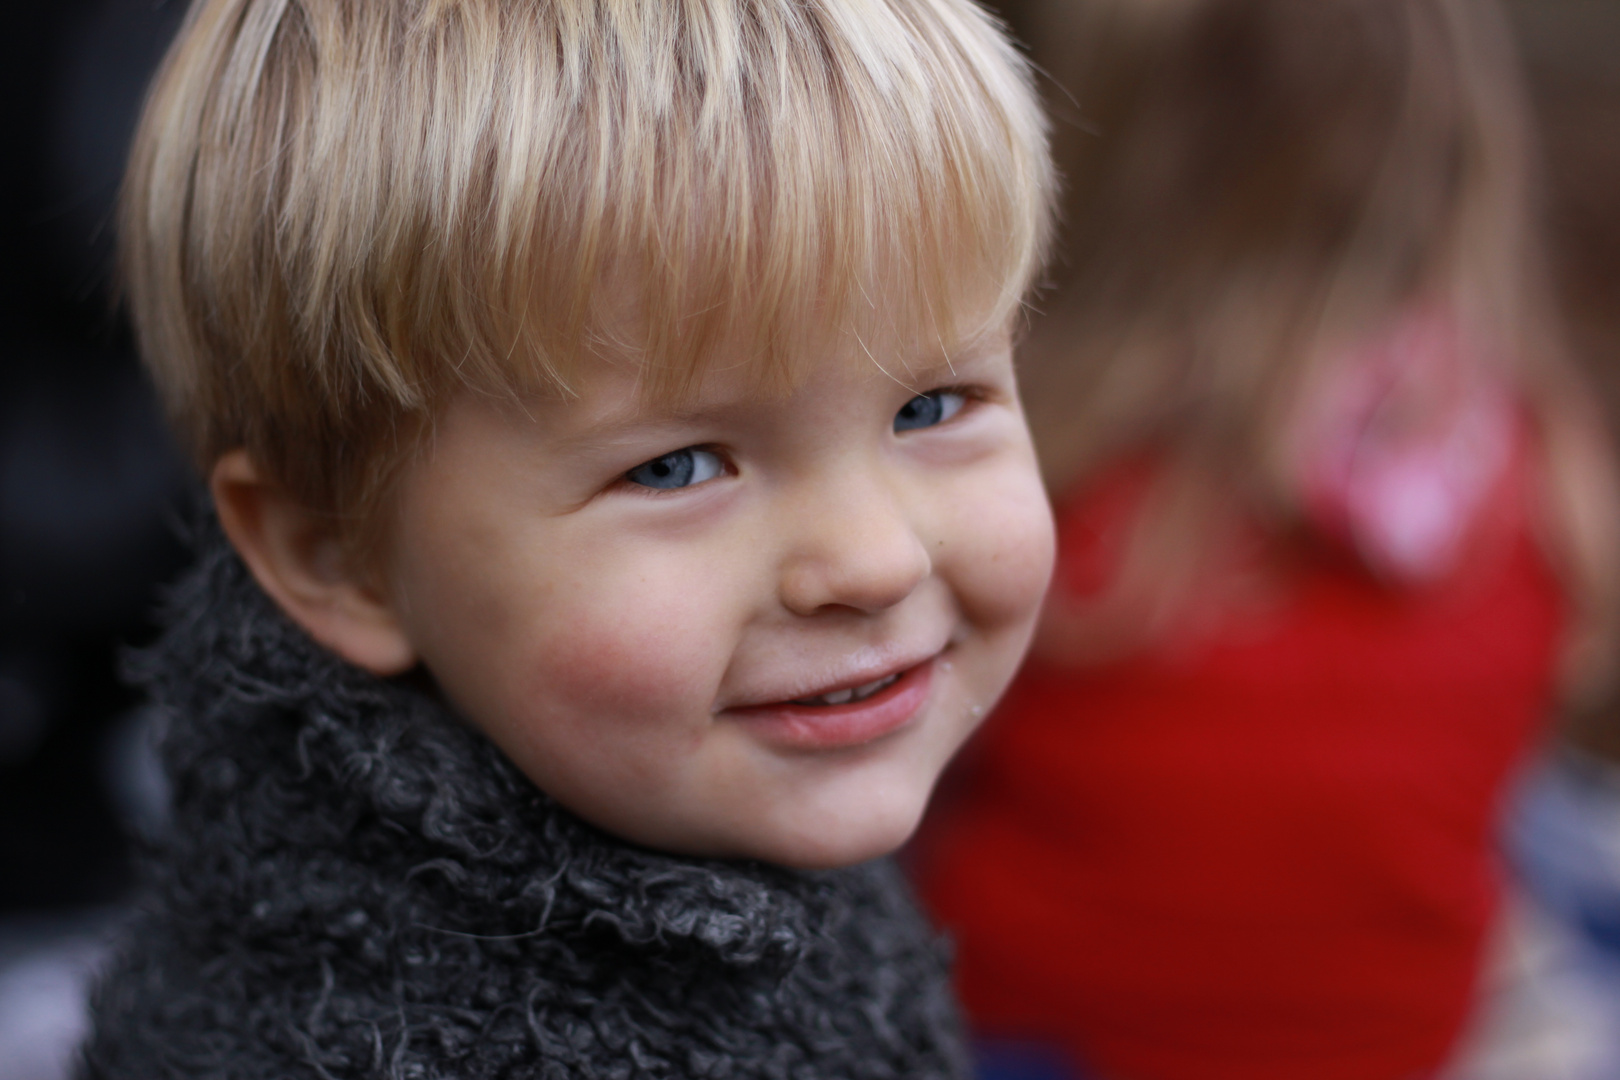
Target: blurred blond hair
{"type": "Point", "coordinates": [338, 214]}
{"type": "Point", "coordinates": [1255, 182]}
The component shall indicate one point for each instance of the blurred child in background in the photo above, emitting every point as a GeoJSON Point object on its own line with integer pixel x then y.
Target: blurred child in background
{"type": "Point", "coordinates": [1338, 525]}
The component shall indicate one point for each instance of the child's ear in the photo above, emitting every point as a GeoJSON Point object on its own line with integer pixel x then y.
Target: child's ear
{"type": "Point", "coordinates": [299, 559]}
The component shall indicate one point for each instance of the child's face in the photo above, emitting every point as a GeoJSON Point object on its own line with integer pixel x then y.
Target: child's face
{"type": "Point", "coordinates": [659, 613]}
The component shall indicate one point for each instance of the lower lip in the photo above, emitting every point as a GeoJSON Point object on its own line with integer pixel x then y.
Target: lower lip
{"type": "Point", "coordinates": [836, 727]}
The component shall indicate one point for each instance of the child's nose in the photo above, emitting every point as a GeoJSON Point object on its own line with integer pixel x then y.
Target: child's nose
{"type": "Point", "coordinates": [853, 548]}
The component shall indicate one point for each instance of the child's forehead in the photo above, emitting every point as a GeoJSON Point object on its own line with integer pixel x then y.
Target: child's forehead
{"type": "Point", "coordinates": [900, 316]}
{"type": "Point", "coordinates": [917, 358]}
{"type": "Point", "coordinates": [610, 391]}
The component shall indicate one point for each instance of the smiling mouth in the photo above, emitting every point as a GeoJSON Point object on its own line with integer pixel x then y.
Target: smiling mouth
{"type": "Point", "coordinates": [841, 719]}
{"type": "Point", "coordinates": [853, 694]}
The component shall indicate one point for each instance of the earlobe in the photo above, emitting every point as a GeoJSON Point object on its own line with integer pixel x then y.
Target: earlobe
{"type": "Point", "coordinates": [298, 558]}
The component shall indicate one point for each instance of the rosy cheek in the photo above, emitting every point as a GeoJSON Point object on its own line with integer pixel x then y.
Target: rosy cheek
{"type": "Point", "coordinates": [643, 662]}
{"type": "Point", "coordinates": [1003, 554]}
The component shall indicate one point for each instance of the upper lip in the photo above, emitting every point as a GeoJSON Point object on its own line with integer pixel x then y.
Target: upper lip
{"type": "Point", "coordinates": [849, 679]}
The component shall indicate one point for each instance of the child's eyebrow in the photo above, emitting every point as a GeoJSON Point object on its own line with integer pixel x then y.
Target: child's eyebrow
{"type": "Point", "coordinates": [949, 361]}
{"type": "Point", "coordinates": [631, 425]}
{"type": "Point", "coordinates": [634, 422]}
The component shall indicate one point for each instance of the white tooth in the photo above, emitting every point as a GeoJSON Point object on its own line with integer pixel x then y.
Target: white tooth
{"type": "Point", "coordinates": [839, 697]}
{"type": "Point", "coordinates": [871, 688]}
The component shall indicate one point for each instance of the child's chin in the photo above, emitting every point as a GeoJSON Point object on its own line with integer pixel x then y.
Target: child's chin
{"type": "Point", "coordinates": [843, 841]}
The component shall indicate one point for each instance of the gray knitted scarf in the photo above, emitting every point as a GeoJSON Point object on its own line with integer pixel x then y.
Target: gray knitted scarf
{"type": "Point", "coordinates": [356, 884]}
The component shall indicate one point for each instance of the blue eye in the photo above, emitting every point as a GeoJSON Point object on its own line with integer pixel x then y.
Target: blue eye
{"type": "Point", "coordinates": [678, 469]}
{"type": "Point", "coordinates": [926, 410]}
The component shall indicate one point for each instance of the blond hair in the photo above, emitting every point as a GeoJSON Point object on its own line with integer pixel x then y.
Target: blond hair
{"type": "Point", "coordinates": [1264, 179]}
{"type": "Point", "coordinates": [338, 214]}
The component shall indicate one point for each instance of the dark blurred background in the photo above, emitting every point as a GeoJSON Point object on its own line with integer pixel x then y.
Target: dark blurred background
{"type": "Point", "coordinates": [1572, 48]}
{"type": "Point", "coordinates": [91, 491]}
{"type": "Point", "coordinates": [89, 483]}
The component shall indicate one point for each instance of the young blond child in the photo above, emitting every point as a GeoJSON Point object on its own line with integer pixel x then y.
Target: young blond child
{"type": "Point", "coordinates": [624, 511]}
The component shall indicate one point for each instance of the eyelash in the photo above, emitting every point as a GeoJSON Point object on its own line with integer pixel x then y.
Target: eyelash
{"type": "Point", "coordinates": [625, 483]}
{"type": "Point", "coordinates": [970, 396]}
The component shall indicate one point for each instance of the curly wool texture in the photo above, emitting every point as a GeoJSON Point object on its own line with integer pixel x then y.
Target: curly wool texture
{"type": "Point", "coordinates": [359, 885]}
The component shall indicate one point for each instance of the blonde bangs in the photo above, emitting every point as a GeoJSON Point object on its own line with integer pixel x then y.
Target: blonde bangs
{"type": "Point", "coordinates": [338, 214]}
